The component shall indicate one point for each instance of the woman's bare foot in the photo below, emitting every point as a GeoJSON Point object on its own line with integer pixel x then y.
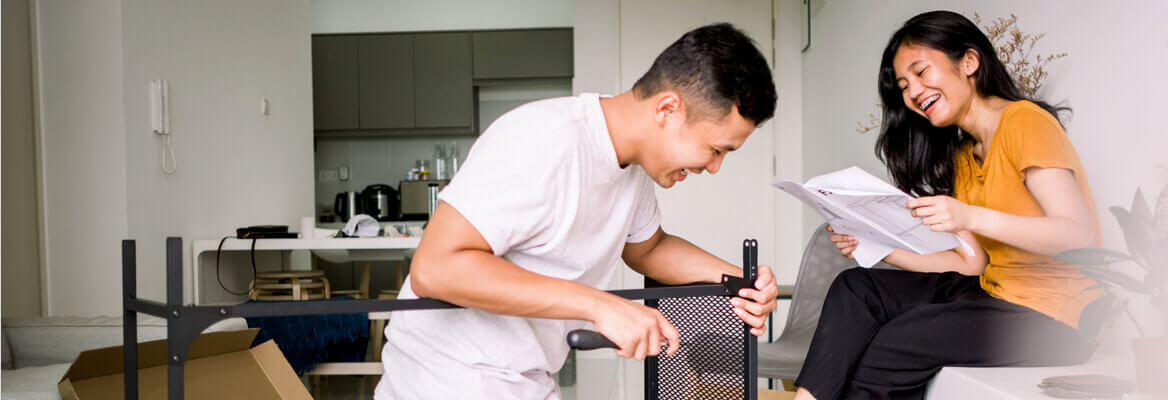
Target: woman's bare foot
{"type": "Point", "coordinates": [803, 394]}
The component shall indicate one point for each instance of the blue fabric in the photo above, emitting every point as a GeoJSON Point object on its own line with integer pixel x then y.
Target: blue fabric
{"type": "Point", "coordinates": [308, 340]}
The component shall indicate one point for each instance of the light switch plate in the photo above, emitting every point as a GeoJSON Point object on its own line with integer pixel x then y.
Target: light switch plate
{"type": "Point", "coordinates": [329, 175]}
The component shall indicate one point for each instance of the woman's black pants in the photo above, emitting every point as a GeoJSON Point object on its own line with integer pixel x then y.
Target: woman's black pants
{"type": "Point", "coordinates": [883, 334]}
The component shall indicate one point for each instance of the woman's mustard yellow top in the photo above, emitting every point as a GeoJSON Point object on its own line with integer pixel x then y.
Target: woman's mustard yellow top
{"type": "Point", "coordinates": [1027, 136]}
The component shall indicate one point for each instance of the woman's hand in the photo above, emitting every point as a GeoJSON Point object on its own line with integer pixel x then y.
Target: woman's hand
{"type": "Point", "coordinates": [942, 213]}
{"type": "Point", "coordinates": [845, 243]}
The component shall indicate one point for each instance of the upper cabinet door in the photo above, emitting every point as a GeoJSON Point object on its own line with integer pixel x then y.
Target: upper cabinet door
{"type": "Point", "coordinates": [387, 81]}
{"type": "Point", "coordinates": [535, 53]}
{"type": "Point", "coordinates": [444, 97]}
{"type": "Point", "coordinates": [334, 82]}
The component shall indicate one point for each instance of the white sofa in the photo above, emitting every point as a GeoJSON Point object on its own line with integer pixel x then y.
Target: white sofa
{"type": "Point", "coordinates": [38, 351]}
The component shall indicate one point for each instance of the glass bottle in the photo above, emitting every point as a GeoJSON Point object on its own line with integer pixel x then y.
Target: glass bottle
{"type": "Point", "coordinates": [453, 157]}
{"type": "Point", "coordinates": [440, 171]}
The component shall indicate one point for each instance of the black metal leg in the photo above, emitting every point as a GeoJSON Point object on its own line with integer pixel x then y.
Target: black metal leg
{"type": "Point", "coordinates": [652, 390]}
{"type": "Point", "coordinates": [175, 347]}
{"type": "Point", "coordinates": [750, 342]}
{"type": "Point", "coordinates": [129, 320]}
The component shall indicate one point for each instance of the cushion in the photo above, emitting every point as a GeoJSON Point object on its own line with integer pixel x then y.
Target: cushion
{"type": "Point", "coordinates": [34, 383]}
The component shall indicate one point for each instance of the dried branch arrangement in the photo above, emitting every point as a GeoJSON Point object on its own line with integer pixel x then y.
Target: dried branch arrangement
{"type": "Point", "coordinates": [1016, 50]}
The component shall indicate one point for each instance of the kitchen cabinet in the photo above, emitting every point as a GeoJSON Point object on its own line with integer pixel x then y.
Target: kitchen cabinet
{"type": "Point", "coordinates": [422, 83]}
{"type": "Point", "coordinates": [334, 82]}
{"type": "Point", "coordinates": [386, 94]}
{"type": "Point", "coordinates": [444, 95]}
{"type": "Point", "coordinates": [527, 53]}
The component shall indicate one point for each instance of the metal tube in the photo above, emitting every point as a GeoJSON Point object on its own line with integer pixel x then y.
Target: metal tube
{"type": "Point", "coordinates": [129, 321]}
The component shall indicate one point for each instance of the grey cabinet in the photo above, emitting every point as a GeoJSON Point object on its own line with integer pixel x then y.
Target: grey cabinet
{"type": "Point", "coordinates": [444, 95]}
{"type": "Point", "coordinates": [529, 53]}
{"type": "Point", "coordinates": [422, 83]}
{"type": "Point", "coordinates": [334, 82]}
{"type": "Point", "coordinates": [387, 81]}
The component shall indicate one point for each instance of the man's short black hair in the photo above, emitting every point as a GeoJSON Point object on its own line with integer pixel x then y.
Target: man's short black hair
{"type": "Point", "coordinates": [713, 67]}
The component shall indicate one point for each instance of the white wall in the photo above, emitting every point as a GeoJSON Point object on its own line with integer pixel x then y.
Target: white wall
{"type": "Point", "coordinates": [347, 16]}
{"type": "Point", "coordinates": [790, 237]}
{"type": "Point", "coordinates": [1113, 78]}
{"type": "Point", "coordinates": [83, 153]}
{"type": "Point", "coordinates": [237, 167]}
{"type": "Point", "coordinates": [21, 227]}
{"type": "Point", "coordinates": [103, 165]}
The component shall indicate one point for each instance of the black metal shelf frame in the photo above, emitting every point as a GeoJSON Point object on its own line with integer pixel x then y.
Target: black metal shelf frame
{"type": "Point", "coordinates": [186, 322]}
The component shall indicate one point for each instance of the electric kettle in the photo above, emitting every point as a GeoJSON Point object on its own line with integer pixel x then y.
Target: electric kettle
{"type": "Point", "coordinates": [346, 205]}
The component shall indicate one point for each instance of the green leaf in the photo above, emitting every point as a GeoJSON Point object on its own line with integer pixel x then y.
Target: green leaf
{"type": "Point", "coordinates": [1092, 256]}
{"type": "Point", "coordinates": [1160, 216]}
{"type": "Point", "coordinates": [1137, 234]}
{"type": "Point", "coordinates": [1139, 208]}
{"type": "Point", "coordinates": [1115, 278]}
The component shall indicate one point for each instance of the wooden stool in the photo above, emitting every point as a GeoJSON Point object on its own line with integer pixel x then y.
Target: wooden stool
{"type": "Point", "coordinates": [377, 323]}
{"type": "Point", "coordinates": [293, 285]}
{"type": "Point", "coordinates": [362, 290]}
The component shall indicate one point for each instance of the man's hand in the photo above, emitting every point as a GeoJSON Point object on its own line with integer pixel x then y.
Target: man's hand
{"type": "Point", "coordinates": [753, 305]}
{"type": "Point", "coordinates": [638, 330]}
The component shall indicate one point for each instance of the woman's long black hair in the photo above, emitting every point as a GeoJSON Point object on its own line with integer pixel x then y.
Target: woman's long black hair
{"type": "Point", "coordinates": [919, 156]}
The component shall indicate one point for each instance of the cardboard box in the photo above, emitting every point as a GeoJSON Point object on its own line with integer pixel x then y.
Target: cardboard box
{"type": "Point", "coordinates": [219, 366]}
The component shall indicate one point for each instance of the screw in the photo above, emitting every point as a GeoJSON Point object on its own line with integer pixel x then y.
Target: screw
{"type": "Point", "coordinates": [174, 313]}
{"type": "Point", "coordinates": [222, 311]}
{"type": "Point", "coordinates": [175, 358]}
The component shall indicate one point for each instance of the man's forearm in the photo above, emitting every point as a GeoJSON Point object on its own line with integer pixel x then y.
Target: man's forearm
{"type": "Point", "coordinates": [675, 261]}
{"type": "Point", "coordinates": [478, 279]}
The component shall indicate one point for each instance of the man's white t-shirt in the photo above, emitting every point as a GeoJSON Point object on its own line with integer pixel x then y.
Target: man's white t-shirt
{"type": "Point", "coordinates": [543, 186]}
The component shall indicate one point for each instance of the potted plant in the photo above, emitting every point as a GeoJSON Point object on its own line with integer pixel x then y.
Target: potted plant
{"type": "Point", "coordinates": [1145, 233]}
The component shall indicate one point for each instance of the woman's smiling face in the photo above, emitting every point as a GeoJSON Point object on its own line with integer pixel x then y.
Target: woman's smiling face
{"type": "Point", "coordinates": [932, 85]}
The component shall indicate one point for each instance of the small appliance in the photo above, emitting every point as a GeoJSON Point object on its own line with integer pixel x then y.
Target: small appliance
{"type": "Point", "coordinates": [415, 198]}
{"type": "Point", "coordinates": [381, 202]}
{"type": "Point", "coordinates": [346, 205]}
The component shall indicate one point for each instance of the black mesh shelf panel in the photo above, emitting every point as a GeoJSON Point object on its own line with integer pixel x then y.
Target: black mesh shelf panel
{"type": "Point", "coordinates": [709, 364]}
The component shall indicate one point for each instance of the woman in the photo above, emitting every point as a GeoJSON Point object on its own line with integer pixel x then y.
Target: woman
{"type": "Point", "coordinates": [992, 167]}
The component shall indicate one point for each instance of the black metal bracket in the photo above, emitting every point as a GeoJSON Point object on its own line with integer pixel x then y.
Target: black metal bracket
{"type": "Point", "coordinates": [732, 284]}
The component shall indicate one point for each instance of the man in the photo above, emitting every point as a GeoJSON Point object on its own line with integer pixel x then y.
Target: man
{"type": "Point", "coordinates": [548, 199]}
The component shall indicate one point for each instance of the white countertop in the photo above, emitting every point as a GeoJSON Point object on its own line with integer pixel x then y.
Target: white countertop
{"type": "Point", "coordinates": [375, 243]}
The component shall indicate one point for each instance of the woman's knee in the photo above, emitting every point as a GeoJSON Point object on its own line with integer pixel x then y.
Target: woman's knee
{"type": "Point", "coordinates": [850, 286]}
{"type": "Point", "coordinates": [851, 279]}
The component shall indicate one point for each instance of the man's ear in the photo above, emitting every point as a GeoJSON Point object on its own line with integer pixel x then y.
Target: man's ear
{"type": "Point", "coordinates": [666, 106]}
{"type": "Point", "coordinates": [970, 62]}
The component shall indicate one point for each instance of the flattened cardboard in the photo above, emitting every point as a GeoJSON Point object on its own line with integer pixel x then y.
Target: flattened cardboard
{"type": "Point", "coordinates": [219, 366]}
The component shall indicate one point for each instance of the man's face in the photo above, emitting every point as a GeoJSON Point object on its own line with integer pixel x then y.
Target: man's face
{"type": "Point", "coordinates": [683, 148]}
